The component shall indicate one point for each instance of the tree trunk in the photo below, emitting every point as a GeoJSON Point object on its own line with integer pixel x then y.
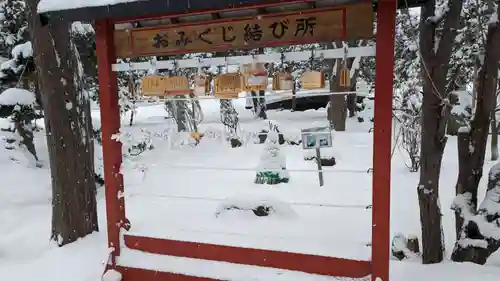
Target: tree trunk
{"type": "Point", "coordinates": [351, 103]}
{"type": "Point", "coordinates": [338, 108]}
{"type": "Point", "coordinates": [262, 104]}
{"type": "Point", "coordinates": [494, 136]}
{"type": "Point", "coordinates": [435, 112]}
{"type": "Point", "coordinates": [24, 130]}
{"type": "Point", "coordinates": [69, 130]}
{"type": "Point", "coordinates": [472, 160]}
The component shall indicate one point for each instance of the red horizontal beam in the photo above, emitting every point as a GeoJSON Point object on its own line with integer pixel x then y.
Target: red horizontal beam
{"type": "Point", "coordinates": [267, 258]}
{"type": "Point", "coordinates": [137, 274]}
{"type": "Point", "coordinates": [211, 11]}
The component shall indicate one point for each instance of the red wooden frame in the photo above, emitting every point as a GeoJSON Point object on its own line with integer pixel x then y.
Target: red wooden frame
{"type": "Point", "coordinates": [115, 205]}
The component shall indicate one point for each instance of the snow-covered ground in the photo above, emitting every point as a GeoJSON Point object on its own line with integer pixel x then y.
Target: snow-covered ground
{"type": "Point", "coordinates": [176, 189]}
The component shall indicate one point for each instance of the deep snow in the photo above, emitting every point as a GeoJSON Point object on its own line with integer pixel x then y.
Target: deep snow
{"type": "Point", "coordinates": [165, 199]}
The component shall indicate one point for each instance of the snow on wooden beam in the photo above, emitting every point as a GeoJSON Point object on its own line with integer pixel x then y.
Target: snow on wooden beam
{"type": "Point", "coordinates": [367, 51]}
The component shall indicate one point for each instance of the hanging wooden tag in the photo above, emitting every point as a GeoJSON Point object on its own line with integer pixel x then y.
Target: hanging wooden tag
{"type": "Point", "coordinates": [200, 84]}
{"type": "Point", "coordinates": [345, 77]}
{"type": "Point", "coordinates": [153, 85]}
{"type": "Point", "coordinates": [255, 76]}
{"type": "Point", "coordinates": [311, 80]}
{"type": "Point", "coordinates": [282, 81]}
{"type": "Point", "coordinates": [160, 86]}
{"type": "Point", "coordinates": [276, 78]}
{"type": "Point", "coordinates": [228, 86]}
{"type": "Point", "coordinates": [177, 85]}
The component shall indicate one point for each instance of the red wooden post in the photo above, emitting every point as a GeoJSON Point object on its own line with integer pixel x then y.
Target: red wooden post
{"type": "Point", "coordinates": [110, 125]}
{"type": "Point", "coordinates": [386, 21]}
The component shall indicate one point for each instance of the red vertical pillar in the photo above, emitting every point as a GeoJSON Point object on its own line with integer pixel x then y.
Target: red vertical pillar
{"type": "Point", "coordinates": [384, 71]}
{"type": "Point", "coordinates": [110, 125]}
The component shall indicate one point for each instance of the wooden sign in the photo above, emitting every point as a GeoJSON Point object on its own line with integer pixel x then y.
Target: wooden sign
{"type": "Point", "coordinates": [228, 86]}
{"type": "Point", "coordinates": [201, 84]}
{"type": "Point", "coordinates": [282, 81]}
{"type": "Point", "coordinates": [311, 80]}
{"type": "Point", "coordinates": [345, 77]}
{"type": "Point", "coordinates": [153, 85]}
{"type": "Point", "coordinates": [163, 85]}
{"type": "Point", "coordinates": [177, 85]}
{"type": "Point", "coordinates": [255, 76]}
{"type": "Point", "coordinates": [354, 21]}
{"type": "Point", "coordinates": [256, 68]}
{"type": "Point", "coordinates": [317, 137]}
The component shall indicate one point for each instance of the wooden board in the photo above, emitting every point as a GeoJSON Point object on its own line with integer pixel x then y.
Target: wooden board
{"type": "Point", "coordinates": [312, 80]}
{"type": "Point", "coordinates": [162, 85]}
{"type": "Point", "coordinates": [228, 86]}
{"type": "Point", "coordinates": [317, 25]}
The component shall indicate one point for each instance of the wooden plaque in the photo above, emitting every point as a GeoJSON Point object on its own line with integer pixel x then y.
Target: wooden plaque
{"type": "Point", "coordinates": [177, 85]}
{"type": "Point", "coordinates": [255, 76]}
{"type": "Point", "coordinates": [348, 22]}
{"type": "Point", "coordinates": [345, 77]}
{"type": "Point", "coordinates": [201, 85]}
{"type": "Point", "coordinates": [256, 68]}
{"type": "Point", "coordinates": [163, 85]}
{"type": "Point", "coordinates": [153, 85]}
{"type": "Point", "coordinates": [312, 80]}
{"type": "Point", "coordinates": [228, 86]}
{"type": "Point", "coordinates": [282, 81]}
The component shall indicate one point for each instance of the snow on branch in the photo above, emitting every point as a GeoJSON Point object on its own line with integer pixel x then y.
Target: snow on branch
{"type": "Point", "coordinates": [439, 14]}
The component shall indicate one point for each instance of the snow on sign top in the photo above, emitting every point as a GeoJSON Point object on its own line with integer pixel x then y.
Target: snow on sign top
{"type": "Point", "coordinates": [58, 5]}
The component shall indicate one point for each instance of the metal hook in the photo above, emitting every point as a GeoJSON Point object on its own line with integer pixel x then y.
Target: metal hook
{"type": "Point", "coordinates": [312, 58]}
{"type": "Point", "coordinates": [130, 65]}
{"type": "Point", "coordinates": [152, 62]}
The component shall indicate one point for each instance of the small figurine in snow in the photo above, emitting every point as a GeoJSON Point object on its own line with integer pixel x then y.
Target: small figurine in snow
{"type": "Point", "coordinates": [272, 166]}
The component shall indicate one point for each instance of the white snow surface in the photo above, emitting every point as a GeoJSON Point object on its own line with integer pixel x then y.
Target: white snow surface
{"type": "Point", "coordinates": [58, 5]}
{"type": "Point", "coordinates": [164, 198]}
{"type": "Point", "coordinates": [16, 96]}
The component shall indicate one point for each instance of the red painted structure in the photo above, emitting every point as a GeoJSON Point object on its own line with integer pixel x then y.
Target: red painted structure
{"type": "Point", "coordinates": [378, 267]}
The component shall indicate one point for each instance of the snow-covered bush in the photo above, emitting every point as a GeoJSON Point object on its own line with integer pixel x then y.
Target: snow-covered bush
{"type": "Point", "coordinates": [410, 127]}
{"type": "Point", "coordinates": [272, 166]}
{"type": "Point", "coordinates": [19, 106]}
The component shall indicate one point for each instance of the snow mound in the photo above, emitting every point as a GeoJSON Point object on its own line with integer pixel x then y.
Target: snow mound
{"type": "Point", "coordinates": [326, 153]}
{"type": "Point", "coordinates": [16, 96]}
{"type": "Point", "coordinates": [244, 208]}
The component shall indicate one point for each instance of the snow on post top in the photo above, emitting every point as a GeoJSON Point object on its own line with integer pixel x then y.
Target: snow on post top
{"type": "Point", "coordinates": [58, 5]}
{"type": "Point", "coordinates": [16, 96]}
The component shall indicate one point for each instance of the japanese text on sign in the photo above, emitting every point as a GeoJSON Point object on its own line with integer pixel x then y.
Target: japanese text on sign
{"type": "Point", "coordinates": [275, 29]}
